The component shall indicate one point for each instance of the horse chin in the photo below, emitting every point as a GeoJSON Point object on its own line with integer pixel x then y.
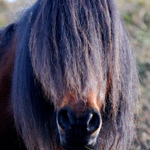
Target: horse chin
{"type": "Point", "coordinates": [78, 143]}
{"type": "Point", "coordinates": [77, 146]}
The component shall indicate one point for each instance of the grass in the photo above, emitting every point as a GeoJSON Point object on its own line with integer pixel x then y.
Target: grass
{"type": "Point", "coordinates": [88, 148]}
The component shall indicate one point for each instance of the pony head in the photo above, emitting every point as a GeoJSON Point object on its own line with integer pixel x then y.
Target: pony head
{"type": "Point", "coordinates": [75, 76]}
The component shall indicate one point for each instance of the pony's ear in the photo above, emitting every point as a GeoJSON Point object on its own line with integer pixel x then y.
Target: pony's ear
{"type": "Point", "coordinates": [7, 33]}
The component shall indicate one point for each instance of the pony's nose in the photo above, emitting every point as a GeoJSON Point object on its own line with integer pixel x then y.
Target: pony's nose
{"type": "Point", "coordinates": [87, 123]}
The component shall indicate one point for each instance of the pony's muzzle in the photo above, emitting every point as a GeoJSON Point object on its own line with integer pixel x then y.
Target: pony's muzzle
{"type": "Point", "coordinates": [78, 132]}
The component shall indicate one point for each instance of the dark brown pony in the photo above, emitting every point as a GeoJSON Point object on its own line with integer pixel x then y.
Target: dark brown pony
{"type": "Point", "coordinates": [68, 78]}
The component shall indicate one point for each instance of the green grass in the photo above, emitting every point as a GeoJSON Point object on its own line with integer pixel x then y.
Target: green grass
{"type": "Point", "coordinates": [88, 148]}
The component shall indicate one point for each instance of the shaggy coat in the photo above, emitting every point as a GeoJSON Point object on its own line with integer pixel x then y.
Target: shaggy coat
{"type": "Point", "coordinates": [59, 46]}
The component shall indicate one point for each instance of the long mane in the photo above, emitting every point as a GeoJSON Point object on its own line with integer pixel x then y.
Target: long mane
{"type": "Point", "coordinates": [73, 45]}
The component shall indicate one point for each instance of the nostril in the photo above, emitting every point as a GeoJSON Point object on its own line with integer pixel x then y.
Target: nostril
{"type": "Point", "coordinates": [65, 118]}
{"type": "Point", "coordinates": [93, 122]}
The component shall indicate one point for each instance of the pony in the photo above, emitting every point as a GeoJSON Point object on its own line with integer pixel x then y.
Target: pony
{"type": "Point", "coordinates": [68, 78]}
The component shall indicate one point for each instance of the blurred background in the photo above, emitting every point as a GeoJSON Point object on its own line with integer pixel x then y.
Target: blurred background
{"type": "Point", "coordinates": [136, 14]}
